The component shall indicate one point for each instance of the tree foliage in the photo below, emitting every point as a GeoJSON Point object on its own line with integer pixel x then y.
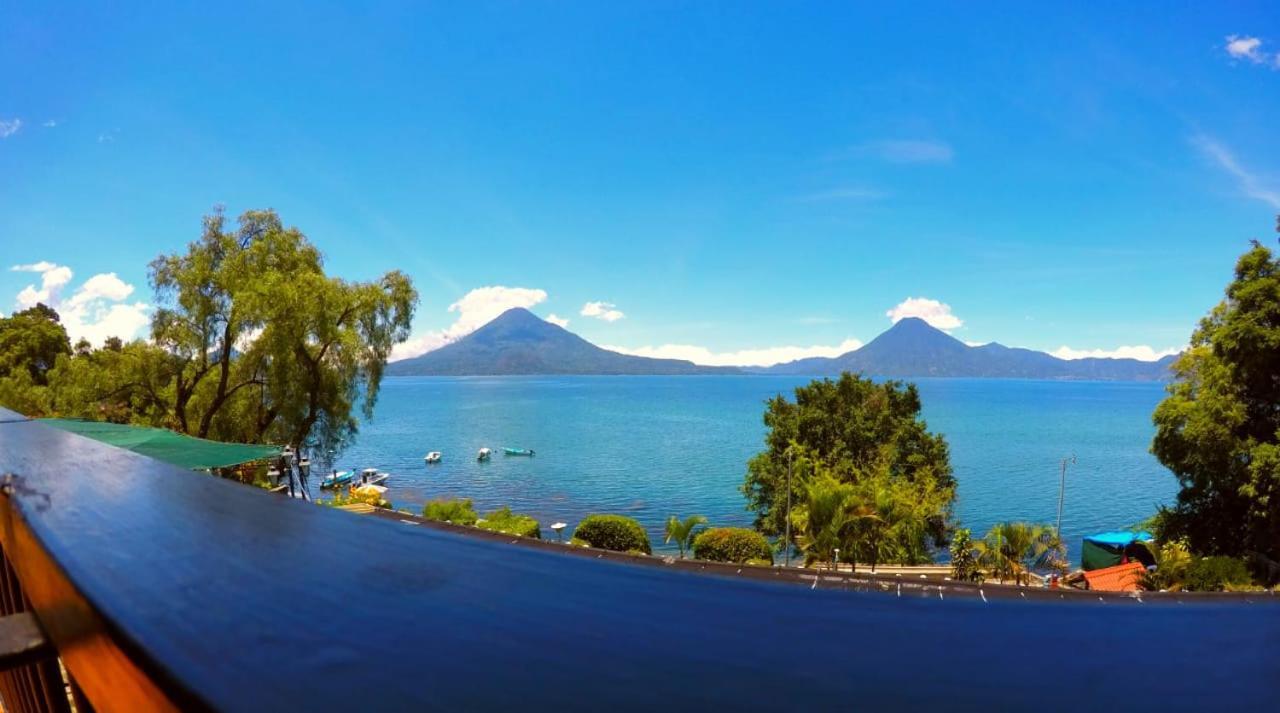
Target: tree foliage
{"type": "Point", "coordinates": [31, 341]}
{"type": "Point", "coordinates": [732, 544]}
{"type": "Point", "coordinates": [1218, 430]}
{"type": "Point", "coordinates": [251, 342]}
{"type": "Point", "coordinates": [682, 531]}
{"type": "Point", "coordinates": [964, 558]}
{"type": "Point", "coordinates": [1011, 550]}
{"type": "Point", "coordinates": [866, 472]}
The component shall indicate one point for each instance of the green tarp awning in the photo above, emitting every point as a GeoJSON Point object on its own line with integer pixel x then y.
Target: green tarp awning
{"type": "Point", "coordinates": [183, 451]}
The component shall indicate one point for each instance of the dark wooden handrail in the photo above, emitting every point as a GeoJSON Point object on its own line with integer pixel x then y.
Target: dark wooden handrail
{"type": "Point", "coordinates": [165, 589]}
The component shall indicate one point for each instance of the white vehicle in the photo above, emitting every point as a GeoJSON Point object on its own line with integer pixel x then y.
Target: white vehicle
{"type": "Point", "coordinates": [371, 476]}
{"type": "Point", "coordinates": [433, 457]}
{"type": "Point", "coordinates": [484, 454]}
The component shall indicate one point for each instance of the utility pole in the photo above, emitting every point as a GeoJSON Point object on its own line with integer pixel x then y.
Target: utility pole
{"type": "Point", "coordinates": [787, 543]}
{"type": "Point", "coordinates": [1062, 489]}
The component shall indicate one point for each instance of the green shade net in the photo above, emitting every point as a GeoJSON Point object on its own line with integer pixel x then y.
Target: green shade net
{"type": "Point", "coordinates": [163, 445]}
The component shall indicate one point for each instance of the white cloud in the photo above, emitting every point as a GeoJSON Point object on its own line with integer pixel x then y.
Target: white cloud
{"type": "Point", "coordinates": [558, 321]}
{"type": "Point", "coordinates": [1140, 352]}
{"type": "Point", "coordinates": [1244, 47]}
{"type": "Point", "coordinates": [34, 267]}
{"type": "Point", "coordinates": [104, 286]}
{"type": "Point", "coordinates": [9, 127]}
{"type": "Point", "coordinates": [901, 151]}
{"type": "Point", "coordinates": [476, 308]}
{"type": "Point", "coordinates": [96, 320]}
{"type": "Point", "coordinates": [1250, 183]}
{"type": "Point", "coordinates": [765, 356]}
{"type": "Point", "coordinates": [95, 311]}
{"type": "Point", "coordinates": [602, 310]}
{"type": "Point", "coordinates": [52, 279]}
{"type": "Point", "coordinates": [50, 124]}
{"type": "Point", "coordinates": [847, 193]}
{"type": "Point", "coordinates": [934, 312]}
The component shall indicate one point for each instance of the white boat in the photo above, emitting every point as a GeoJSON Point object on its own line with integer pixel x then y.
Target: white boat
{"type": "Point", "coordinates": [484, 454]}
{"type": "Point", "coordinates": [433, 457]}
{"type": "Point", "coordinates": [372, 476]}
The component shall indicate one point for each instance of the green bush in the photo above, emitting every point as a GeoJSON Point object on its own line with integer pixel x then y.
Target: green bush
{"type": "Point", "coordinates": [964, 559]}
{"type": "Point", "coordinates": [1214, 574]}
{"type": "Point", "coordinates": [511, 523]}
{"type": "Point", "coordinates": [459, 511]}
{"type": "Point", "coordinates": [613, 532]}
{"type": "Point", "coordinates": [732, 544]}
{"type": "Point", "coordinates": [578, 543]}
{"type": "Point", "coordinates": [757, 562]}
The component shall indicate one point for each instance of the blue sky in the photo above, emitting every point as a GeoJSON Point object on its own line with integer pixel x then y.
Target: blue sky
{"type": "Point", "coordinates": [721, 177]}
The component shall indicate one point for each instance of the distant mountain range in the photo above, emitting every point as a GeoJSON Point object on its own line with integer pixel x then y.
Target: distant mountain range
{"type": "Point", "coordinates": [914, 348]}
{"type": "Point", "coordinates": [519, 342]}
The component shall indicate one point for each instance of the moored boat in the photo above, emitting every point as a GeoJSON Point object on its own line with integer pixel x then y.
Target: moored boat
{"type": "Point", "coordinates": [373, 476]}
{"type": "Point", "coordinates": [483, 454]}
{"type": "Point", "coordinates": [433, 457]}
{"type": "Point", "coordinates": [518, 451]}
{"type": "Point", "coordinates": [336, 478]}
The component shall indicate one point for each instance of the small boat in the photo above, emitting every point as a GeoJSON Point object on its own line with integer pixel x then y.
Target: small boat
{"type": "Point", "coordinates": [372, 476]}
{"type": "Point", "coordinates": [336, 478]}
{"type": "Point", "coordinates": [484, 454]}
{"type": "Point", "coordinates": [433, 457]}
{"type": "Point", "coordinates": [518, 451]}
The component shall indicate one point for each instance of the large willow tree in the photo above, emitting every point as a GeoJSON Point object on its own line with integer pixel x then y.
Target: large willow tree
{"type": "Point", "coordinates": [251, 341]}
{"type": "Point", "coordinates": [1219, 428]}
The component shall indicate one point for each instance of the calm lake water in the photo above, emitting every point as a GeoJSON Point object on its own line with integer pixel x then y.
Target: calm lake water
{"type": "Point", "coordinates": [652, 446]}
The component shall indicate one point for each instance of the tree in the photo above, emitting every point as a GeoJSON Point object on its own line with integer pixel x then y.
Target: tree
{"type": "Point", "coordinates": [682, 531]}
{"type": "Point", "coordinates": [132, 384]}
{"type": "Point", "coordinates": [964, 559]}
{"type": "Point", "coordinates": [267, 346]}
{"type": "Point", "coordinates": [826, 519]}
{"type": "Point", "coordinates": [1218, 429]}
{"type": "Point", "coordinates": [32, 340]}
{"type": "Point", "coordinates": [871, 438]}
{"type": "Point", "coordinates": [1012, 549]}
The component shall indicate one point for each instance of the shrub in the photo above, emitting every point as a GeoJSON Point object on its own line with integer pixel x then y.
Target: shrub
{"type": "Point", "coordinates": [1214, 574]}
{"type": "Point", "coordinates": [511, 523]}
{"type": "Point", "coordinates": [459, 511]}
{"type": "Point", "coordinates": [578, 543]}
{"type": "Point", "coordinates": [732, 544]}
{"type": "Point", "coordinates": [964, 560]}
{"type": "Point", "coordinates": [367, 497]}
{"type": "Point", "coordinates": [612, 532]}
{"type": "Point", "coordinates": [756, 562]}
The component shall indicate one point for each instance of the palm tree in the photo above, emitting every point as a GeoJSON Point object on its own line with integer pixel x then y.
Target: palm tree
{"type": "Point", "coordinates": [825, 521]}
{"type": "Point", "coordinates": [682, 531]}
{"type": "Point", "coordinates": [1011, 549]}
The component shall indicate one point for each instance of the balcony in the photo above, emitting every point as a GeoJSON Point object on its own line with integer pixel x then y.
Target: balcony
{"type": "Point", "coordinates": [153, 588]}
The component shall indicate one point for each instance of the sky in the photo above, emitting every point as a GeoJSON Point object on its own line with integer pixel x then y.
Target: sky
{"type": "Point", "coordinates": [732, 183]}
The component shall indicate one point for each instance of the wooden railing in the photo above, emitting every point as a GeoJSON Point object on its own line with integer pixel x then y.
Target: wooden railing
{"type": "Point", "coordinates": [153, 588]}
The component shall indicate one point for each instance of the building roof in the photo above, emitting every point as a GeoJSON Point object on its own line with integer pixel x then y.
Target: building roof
{"type": "Point", "coordinates": [174, 448]}
{"type": "Point", "coordinates": [1120, 578]}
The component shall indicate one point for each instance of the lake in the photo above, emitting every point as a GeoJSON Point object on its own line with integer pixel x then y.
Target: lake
{"type": "Point", "coordinates": [648, 447]}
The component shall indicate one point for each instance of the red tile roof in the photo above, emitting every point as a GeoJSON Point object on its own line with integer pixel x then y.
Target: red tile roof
{"type": "Point", "coordinates": [1120, 578]}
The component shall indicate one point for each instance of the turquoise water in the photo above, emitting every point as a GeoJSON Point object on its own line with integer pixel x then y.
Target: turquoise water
{"type": "Point", "coordinates": [652, 446]}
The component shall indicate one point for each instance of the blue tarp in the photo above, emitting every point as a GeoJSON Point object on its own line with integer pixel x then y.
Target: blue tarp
{"type": "Point", "coordinates": [1119, 538]}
